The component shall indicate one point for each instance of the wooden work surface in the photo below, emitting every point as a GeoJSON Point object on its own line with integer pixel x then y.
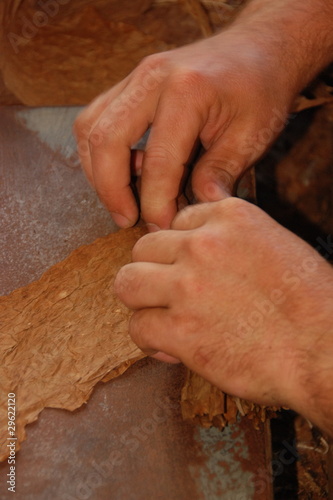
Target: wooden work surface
{"type": "Point", "coordinates": [129, 441]}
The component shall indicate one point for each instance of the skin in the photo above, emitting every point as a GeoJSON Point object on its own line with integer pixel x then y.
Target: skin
{"type": "Point", "coordinates": [222, 287]}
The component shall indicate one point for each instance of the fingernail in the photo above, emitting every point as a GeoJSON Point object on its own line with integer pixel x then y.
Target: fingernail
{"type": "Point", "coordinates": [121, 220]}
{"type": "Point", "coordinates": [152, 228]}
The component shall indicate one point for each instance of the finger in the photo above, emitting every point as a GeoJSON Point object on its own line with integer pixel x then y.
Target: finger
{"type": "Point", "coordinates": [152, 329]}
{"type": "Point", "coordinates": [217, 171]}
{"type": "Point", "coordinates": [85, 122]}
{"type": "Point", "coordinates": [168, 150]}
{"type": "Point", "coordinates": [195, 216]}
{"type": "Point", "coordinates": [136, 161]}
{"type": "Point", "coordinates": [144, 284]}
{"type": "Point", "coordinates": [160, 247]}
{"type": "Point", "coordinates": [161, 356]}
{"type": "Point", "coordinates": [111, 157]}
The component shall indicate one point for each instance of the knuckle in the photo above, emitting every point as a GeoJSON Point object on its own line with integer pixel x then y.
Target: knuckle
{"type": "Point", "coordinates": [157, 154]}
{"type": "Point", "coordinates": [190, 243]}
{"type": "Point", "coordinates": [236, 210]}
{"type": "Point", "coordinates": [153, 62]}
{"type": "Point", "coordinates": [203, 243]}
{"type": "Point", "coordinates": [184, 324]}
{"type": "Point", "coordinates": [95, 137]}
{"type": "Point", "coordinates": [186, 80]}
{"type": "Point", "coordinates": [151, 71]}
{"type": "Point", "coordinates": [190, 287]}
{"type": "Point", "coordinates": [138, 249]}
{"type": "Point", "coordinates": [185, 216]}
{"type": "Point", "coordinates": [81, 126]}
{"type": "Point", "coordinates": [182, 287]}
{"type": "Point", "coordinates": [104, 134]}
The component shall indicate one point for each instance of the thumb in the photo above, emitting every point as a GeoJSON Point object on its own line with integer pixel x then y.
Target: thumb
{"type": "Point", "coordinates": [216, 173]}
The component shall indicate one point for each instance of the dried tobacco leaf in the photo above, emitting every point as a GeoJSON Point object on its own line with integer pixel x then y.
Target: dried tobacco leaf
{"type": "Point", "coordinates": [205, 404]}
{"type": "Point", "coordinates": [64, 333]}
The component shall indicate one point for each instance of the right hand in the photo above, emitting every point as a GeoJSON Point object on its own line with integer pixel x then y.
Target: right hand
{"type": "Point", "coordinates": [225, 91]}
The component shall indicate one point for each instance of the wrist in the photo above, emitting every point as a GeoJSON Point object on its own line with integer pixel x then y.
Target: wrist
{"type": "Point", "coordinates": [310, 390]}
{"type": "Point", "coordinates": [296, 39]}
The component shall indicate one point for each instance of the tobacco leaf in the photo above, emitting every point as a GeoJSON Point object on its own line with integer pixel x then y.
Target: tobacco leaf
{"type": "Point", "coordinates": [64, 333]}
{"type": "Point", "coordinates": [206, 405]}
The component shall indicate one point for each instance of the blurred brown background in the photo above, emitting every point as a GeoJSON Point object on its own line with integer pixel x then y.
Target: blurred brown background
{"type": "Point", "coordinates": [58, 52]}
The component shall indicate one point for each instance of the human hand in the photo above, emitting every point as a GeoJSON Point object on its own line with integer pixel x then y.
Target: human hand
{"type": "Point", "coordinates": [240, 300]}
{"type": "Point", "coordinates": [226, 91]}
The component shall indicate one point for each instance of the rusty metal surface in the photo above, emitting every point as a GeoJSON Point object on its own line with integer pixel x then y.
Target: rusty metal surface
{"type": "Point", "coordinates": [330, 470]}
{"type": "Point", "coordinates": [129, 441]}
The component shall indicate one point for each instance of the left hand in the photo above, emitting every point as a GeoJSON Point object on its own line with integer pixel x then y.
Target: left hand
{"type": "Point", "coordinates": [234, 296]}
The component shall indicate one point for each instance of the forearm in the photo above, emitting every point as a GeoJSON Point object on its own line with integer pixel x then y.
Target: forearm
{"type": "Point", "coordinates": [312, 395]}
{"type": "Point", "coordinates": [317, 384]}
{"type": "Point", "coordinates": [298, 33]}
